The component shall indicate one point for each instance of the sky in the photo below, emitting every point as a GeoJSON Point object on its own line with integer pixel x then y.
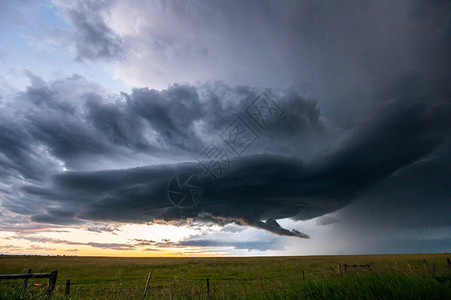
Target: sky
{"type": "Point", "coordinates": [225, 128]}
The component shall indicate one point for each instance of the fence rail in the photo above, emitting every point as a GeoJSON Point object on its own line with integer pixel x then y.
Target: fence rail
{"type": "Point", "coordinates": [357, 266]}
{"type": "Point", "coordinates": [51, 276]}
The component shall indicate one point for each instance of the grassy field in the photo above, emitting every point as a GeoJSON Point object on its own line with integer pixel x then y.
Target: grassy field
{"type": "Point", "coordinates": [234, 278]}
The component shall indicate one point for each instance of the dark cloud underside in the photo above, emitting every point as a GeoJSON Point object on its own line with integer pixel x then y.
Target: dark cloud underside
{"type": "Point", "coordinates": [258, 189]}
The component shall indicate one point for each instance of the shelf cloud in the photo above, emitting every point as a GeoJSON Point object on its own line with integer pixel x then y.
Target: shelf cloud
{"type": "Point", "coordinates": [262, 185]}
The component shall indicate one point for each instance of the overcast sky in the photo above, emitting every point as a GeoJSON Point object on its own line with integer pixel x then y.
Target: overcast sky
{"type": "Point", "coordinates": [225, 127]}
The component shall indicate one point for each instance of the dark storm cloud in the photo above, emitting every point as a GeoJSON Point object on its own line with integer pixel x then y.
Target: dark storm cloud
{"type": "Point", "coordinates": [45, 124]}
{"type": "Point", "coordinates": [71, 124]}
{"type": "Point", "coordinates": [414, 198]}
{"type": "Point", "coordinates": [271, 183]}
{"type": "Point", "coordinates": [405, 132]}
{"type": "Point", "coordinates": [259, 187]}
{"type": "Point", "coordinates": [119, 125]}
{"type": "Point", "coordinates": [66, 136]}
{"type": "Point", "coordinates": [93, 38]}
{"type": "Point", "coordinates": [55, 216]}
{"type": "Point", "coordinates": [17, 152]}
{"type": "Point", "coordinates": [381, 70]}
{"type": "Point", "coordinates": [77, 124]}
{"type": "Point", "coordinates": [171, 113]}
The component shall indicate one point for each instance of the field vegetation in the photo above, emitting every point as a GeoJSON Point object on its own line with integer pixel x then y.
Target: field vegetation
{"type": "Point", "coordinates": [233, 278]}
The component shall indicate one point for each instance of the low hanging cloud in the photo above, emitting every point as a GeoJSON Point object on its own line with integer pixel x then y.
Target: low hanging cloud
{"type": "Point", "coordinates": [195, 243]}
{"type": "Point", "coordinates": [49, 137]}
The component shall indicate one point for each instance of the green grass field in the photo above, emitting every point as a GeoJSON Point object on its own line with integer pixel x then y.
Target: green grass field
{"type": "Point", "coordinates": [234, 278]}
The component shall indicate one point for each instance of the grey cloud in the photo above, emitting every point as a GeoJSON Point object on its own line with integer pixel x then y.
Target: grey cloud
{"type": "Point", "coordinates": [66, 136]}
{"type": "Point", "coordinates": [56, 216]}
{"type": "Point", "coordinates": [233, 229]}
{"type": "Point", "coordinates": [142, 242]}
{"type": "Point", "coordinates": [272, 181]}
{"type": "Point", "coordinates": [11, 248]}
{"type": "Point", "coordinates": [39, 248]}
{"type": "Point", "coordinates": [343, 50]}
{"type": "Point", "coordinates": [21, 224]}
{"type": "Point", "coordinates": [117, 124]}
{"type": "Point", "coordinates": [406, 212]}
{"type": "Point", "coordinates": [113, 246]}
{"type": "Point", "coordinates": [103, 228]}
{"type": "Point", "coordinates": [48, 240]}
{"type": "Point", "coordinates": [404, 132]}
{"type": "Point", "coordinates": [249, 245]}
{"type": "Point", "coordinates": [415, 197]}
{"type": "Point", "coordinates": [165, 243]}
{"type": "Point", "coordinates": [92, 37]}
{"type": "Point", "coordinates": [195, 241]}
{"type": "Point", "coordinates": [263, 187]}
{"type": "Point", "coordinates": [78, 125]}
{"type": "Point", "coordinates": [17, 153]}
{"type": "Point", "coordinates": [327, 220]}
{"type": "Point", "coordinates": [171, 113]}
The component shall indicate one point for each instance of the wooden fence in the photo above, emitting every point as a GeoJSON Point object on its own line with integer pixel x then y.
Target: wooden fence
{"type": "Point", "coordinates": [51, 276]}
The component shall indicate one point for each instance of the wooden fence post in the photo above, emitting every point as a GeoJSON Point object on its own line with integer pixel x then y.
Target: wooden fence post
{"type": "Point", "coordinates": [425, 263]}
{"type": "Point", "coordinates": [66, 294]}
{"type": "Point", "coordinates": [147, 284]}
{"type": "Point", "coordinates": [339, 270]}
{"type": "Point", "coordinates": [208, 287]}
{"type": "Point", "coordinates": [52, 276]}
{"type": "Point", "coordinates": [52, 281]}
{"type": "Point", "coordinates": [449, 262]}
{"type": "Point", "coordinates": [25, 281]}
{"type": "Point", "coordinates": [261, 281]}
{"type": "Point", "coordinates": [410, 267]}
{"type": "Point", "coordinates": [433, 267]}
{"type": "Point", "coordinates": [396, 265]}
{"type": "Point", "coordinates": [303, 277]}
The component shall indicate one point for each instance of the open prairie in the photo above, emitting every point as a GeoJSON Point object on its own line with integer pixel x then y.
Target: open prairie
{"type": "Point", "coordinates": [234, 278]}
